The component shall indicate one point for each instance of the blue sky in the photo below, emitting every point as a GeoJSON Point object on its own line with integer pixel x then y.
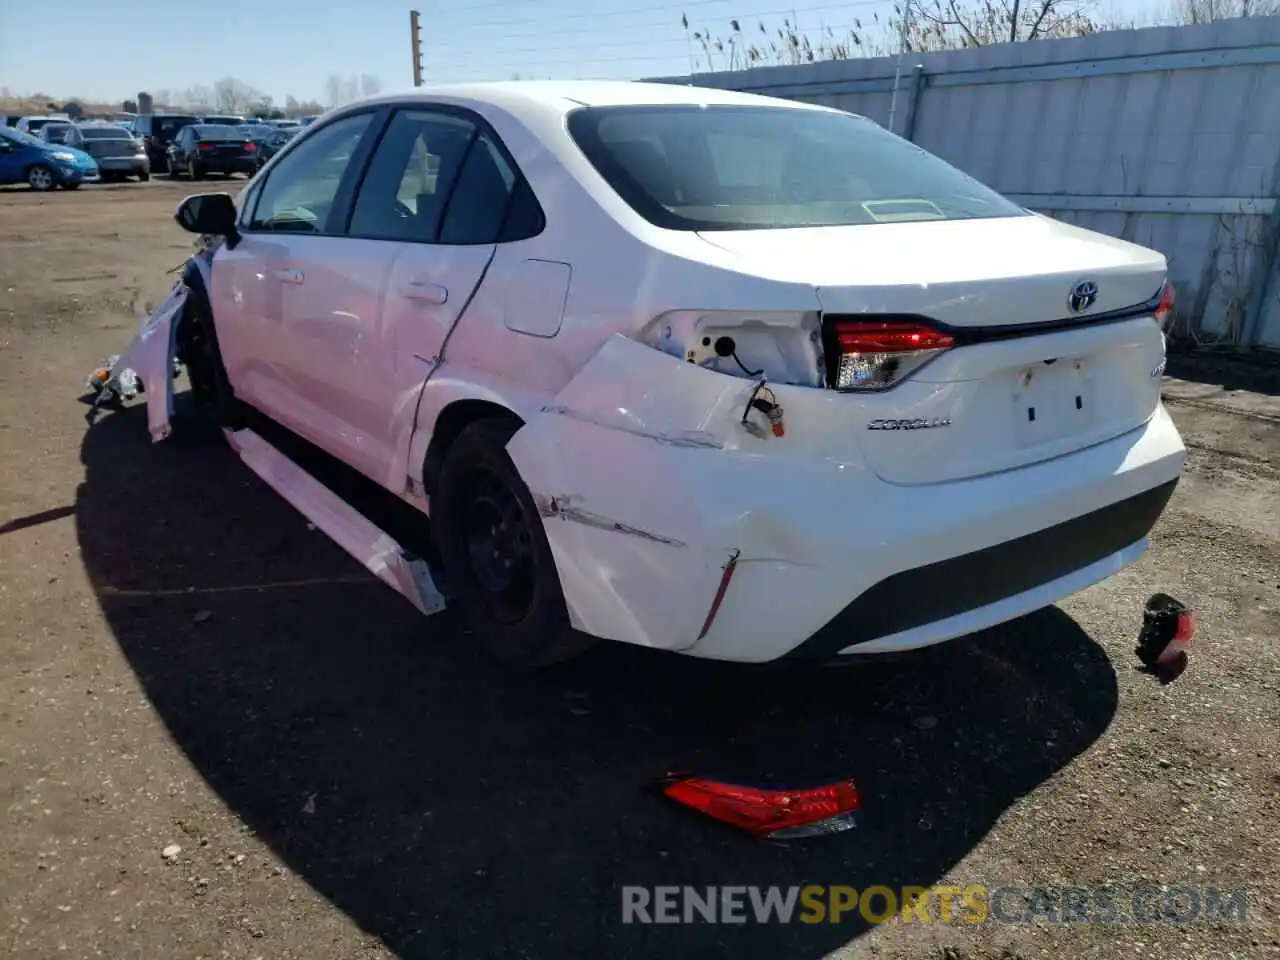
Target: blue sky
{"type": "Point", "coordinates": [287, 47]}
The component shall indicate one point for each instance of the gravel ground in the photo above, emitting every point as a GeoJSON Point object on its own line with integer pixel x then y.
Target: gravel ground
{"type": "Point", "coordinates": [220, 738]}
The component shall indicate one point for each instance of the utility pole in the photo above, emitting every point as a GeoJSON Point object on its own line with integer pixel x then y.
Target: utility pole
{"type": "Point", "coordinates": [415, 37]}
{"type": "Point", "coordinates": [897, 70]}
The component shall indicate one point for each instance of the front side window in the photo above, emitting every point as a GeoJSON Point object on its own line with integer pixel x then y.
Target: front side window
{"type": "Point", "coordinates": [300, 191]}
{"type": "Point", "coordinates": [742, 168]}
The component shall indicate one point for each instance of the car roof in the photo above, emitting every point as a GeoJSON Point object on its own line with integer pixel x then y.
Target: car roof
{"type": "Point", "coordinates": [562, 96]}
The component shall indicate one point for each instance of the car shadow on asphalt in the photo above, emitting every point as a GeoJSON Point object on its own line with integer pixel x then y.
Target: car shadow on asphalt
{"type": "Point", "coordinates": [453, 807]}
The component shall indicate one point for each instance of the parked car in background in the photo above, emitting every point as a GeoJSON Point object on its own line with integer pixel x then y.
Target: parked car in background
{"type": "Point", "coordinates": [268, 139]}
{"type": "Point", "coordinates": [117, 152]}
{"type": "Point", "coordinates": [157, 131]}
{"type": "Point", "coordinates": [294, 125]}
{"type": "Point", "coordinates": [32, 125]}
{"type": "Point", "coordinates": [11, 119]}
{"type": "Point", "coordinates": [58, 133]}
{"type": "Point", "coordinates": [203, 148]}
{"type": "Point", "coordinates": [229, 119]}
{"type": "Point", "coordinates": [41, 165]}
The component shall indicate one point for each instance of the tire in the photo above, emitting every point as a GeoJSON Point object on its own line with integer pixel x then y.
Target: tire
{"type": "Point", "coordinates": [41, 177]}
{"type": "Point", "coordinates": [144, 177]}
{"type": "Point", "coordinates": [194, 171]}
{"type": "Point", "coordinates": [199, 353]}
{"type": "Point", "coordinates": [511, 599]}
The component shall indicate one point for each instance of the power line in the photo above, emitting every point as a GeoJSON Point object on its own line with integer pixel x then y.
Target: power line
{"type": "Point", "coordinates": [743, 40]}
{"type": "Point", "coordinates": [672, 7]}
{"type": "Point", "coordinates": [754, 18]}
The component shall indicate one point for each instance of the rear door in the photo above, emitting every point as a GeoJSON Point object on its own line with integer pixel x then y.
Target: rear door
{"type": "Point", "coordinates": [426, 219]}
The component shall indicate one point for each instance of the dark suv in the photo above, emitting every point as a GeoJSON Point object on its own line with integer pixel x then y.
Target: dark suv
{"type": "Point", "coordinates": [157, 131]}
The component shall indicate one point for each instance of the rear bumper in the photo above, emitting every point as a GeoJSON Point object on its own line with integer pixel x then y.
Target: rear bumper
{"type": "Point", "coordinates": [131, 166]}
{"type": "Point", "coordinates": [827, 558]}
{"type": "Point", "coordinates": [949, 597]}
{"type": "Point", "coordinates": [220, 165]}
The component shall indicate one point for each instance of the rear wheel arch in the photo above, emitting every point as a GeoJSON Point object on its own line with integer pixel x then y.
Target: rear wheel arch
{"type": "Point", "coordinates": [452, 420]}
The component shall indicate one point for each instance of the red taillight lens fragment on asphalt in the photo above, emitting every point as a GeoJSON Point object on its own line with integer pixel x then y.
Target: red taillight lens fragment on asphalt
{"type": "Point", "coordinates": [875, 356]}
{"type": "Point", "coordinates": [762, 812]}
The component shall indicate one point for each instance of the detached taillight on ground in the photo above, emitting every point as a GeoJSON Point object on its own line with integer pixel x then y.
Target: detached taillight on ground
{"type": "Point", "coordinates": [763, 812]}
{"type": "Point", "coordinates": [1164, 309]}
{"type": "Point", "coordinates": [870, 355]}
{"type": "Point", "coordinates": [1168, 630]}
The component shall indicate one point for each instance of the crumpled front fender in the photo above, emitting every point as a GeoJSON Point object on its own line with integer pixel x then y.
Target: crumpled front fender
{"type": "Point", "coordinates": [150, 357]}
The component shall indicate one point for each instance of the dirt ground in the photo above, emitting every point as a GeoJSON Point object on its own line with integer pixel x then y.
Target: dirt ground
{"type": "Point", "coordinates": [185, 664]}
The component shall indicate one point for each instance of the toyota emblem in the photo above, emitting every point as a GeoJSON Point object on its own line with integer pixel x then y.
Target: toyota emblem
{"type": "Point", "coordinates": [1083, 296]}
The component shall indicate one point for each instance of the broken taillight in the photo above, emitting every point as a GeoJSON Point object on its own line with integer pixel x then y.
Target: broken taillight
{"type": "Point", "coordinates": [765, 812]}
{"type": "Point", "coordinates": [1164, 309]}
{"type": "Point", "coordinates": [876, 355]}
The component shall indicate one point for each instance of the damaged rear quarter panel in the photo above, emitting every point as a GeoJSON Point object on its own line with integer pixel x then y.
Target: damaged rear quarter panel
{"type": "Point", "coordinates": [635, 469]}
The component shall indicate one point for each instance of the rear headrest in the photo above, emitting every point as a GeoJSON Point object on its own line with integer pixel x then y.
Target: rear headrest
{"type": "Point", "coordinates": [646, 164]}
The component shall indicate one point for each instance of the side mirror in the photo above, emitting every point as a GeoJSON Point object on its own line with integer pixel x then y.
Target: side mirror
{"type": "Point", "coordinates": [213, 213]}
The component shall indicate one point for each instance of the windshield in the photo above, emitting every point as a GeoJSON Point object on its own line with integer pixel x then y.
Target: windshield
{"type": "Point", "coordinates": [741, 168]}
{"type": "Point", "coordinates": [217, 131]}
{"type": "Point", "coordinates": [35, 124]}
{"type": "Point", "coordinates": [56, 132]}
{"type": "Point", "coordinates": [104, 133]}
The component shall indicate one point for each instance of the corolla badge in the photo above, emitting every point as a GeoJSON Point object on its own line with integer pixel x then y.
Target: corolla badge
{"type": "Point", "coordinates": [918, 423]}
{"type": "Point", "coordinates": [1083, 296]}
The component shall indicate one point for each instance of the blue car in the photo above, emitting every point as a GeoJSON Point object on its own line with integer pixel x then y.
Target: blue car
{"type": "Point", "coordinates": [43, 166]}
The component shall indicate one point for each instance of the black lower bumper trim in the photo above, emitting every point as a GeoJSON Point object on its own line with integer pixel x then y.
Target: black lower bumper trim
{"type": "Point", "coordinates": [939, 590]}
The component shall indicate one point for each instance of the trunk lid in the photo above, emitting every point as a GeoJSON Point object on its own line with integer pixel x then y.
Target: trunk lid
{"type": "Point", "coordinates": [110, 148]}
{"type": "Point", "coordinates": [1031, 378]}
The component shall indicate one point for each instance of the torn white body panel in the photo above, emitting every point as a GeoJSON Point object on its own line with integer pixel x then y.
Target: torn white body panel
{"type": "Point", "coordinates": [377, 551]}
{"type": "Point", "coordinates": [150, 357]}
{"type": "Point", "coordinates": [649, 483]}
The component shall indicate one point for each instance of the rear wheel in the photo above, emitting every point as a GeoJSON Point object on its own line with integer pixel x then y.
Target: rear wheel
{"type": "Point", "coordinates": [144, 177]}
{"type": "Point", "coordinates": [194, 171]}
{"type": "Point", "coordinates": [498, 564]}
{"type": "Point", "coordinates": [41, 178]}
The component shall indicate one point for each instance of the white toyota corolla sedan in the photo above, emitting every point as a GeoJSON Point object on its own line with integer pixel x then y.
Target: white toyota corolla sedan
{"type": "Point", "coordinates": [697, 370]}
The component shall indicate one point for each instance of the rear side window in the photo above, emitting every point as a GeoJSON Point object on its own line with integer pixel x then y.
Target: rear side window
{"type": "Point", "coordinates": [299, 193]}
{"type": "Point", "coordinates": [737, 168]}
{"type": "Point", "coordinates": [405, 190]}
{"type": "Point", "coordinates": [440, 178]}
{"type": "Point", "coordinates": [480, 197]}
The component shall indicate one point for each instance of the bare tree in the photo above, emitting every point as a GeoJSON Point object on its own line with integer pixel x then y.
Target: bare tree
{"type": "Point", "coordinates": [369, 85]}
{"type": "Point", "coordinates": [333, 90]}
{"type": "Point", "coordinates": [1210, 11]}
{"type": "Point", "coordinates": [291, 106]}
{"type": "Point", "coordinates": [950, 24]}
{"type": "Point", "coordinates": [234, 96]}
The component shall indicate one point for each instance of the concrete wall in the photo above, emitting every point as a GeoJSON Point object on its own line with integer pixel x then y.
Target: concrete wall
{"type": "Point", "coordinates": [1169, 137]}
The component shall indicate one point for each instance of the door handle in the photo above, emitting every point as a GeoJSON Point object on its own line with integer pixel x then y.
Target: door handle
{"type": "Point", "coordinates": [289, 276]}
{"type": "Point", "coordinates": [424, 290]}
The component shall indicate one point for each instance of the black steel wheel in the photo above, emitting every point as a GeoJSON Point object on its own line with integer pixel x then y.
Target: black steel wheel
{"type": "Point", "coordinates": [499, 570]}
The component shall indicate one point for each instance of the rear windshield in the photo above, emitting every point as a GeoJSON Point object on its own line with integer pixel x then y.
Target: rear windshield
{"type": "Point", "coordinates": [168, 126]}
{"type": "Point", "coordinates": [56, 132]}
{"type": "Point", "coordinates": [741, 168]}
{"type": "Point", "coordinates": [217, 131]}
{"type": "Point", "coordinates": [104, 133]}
